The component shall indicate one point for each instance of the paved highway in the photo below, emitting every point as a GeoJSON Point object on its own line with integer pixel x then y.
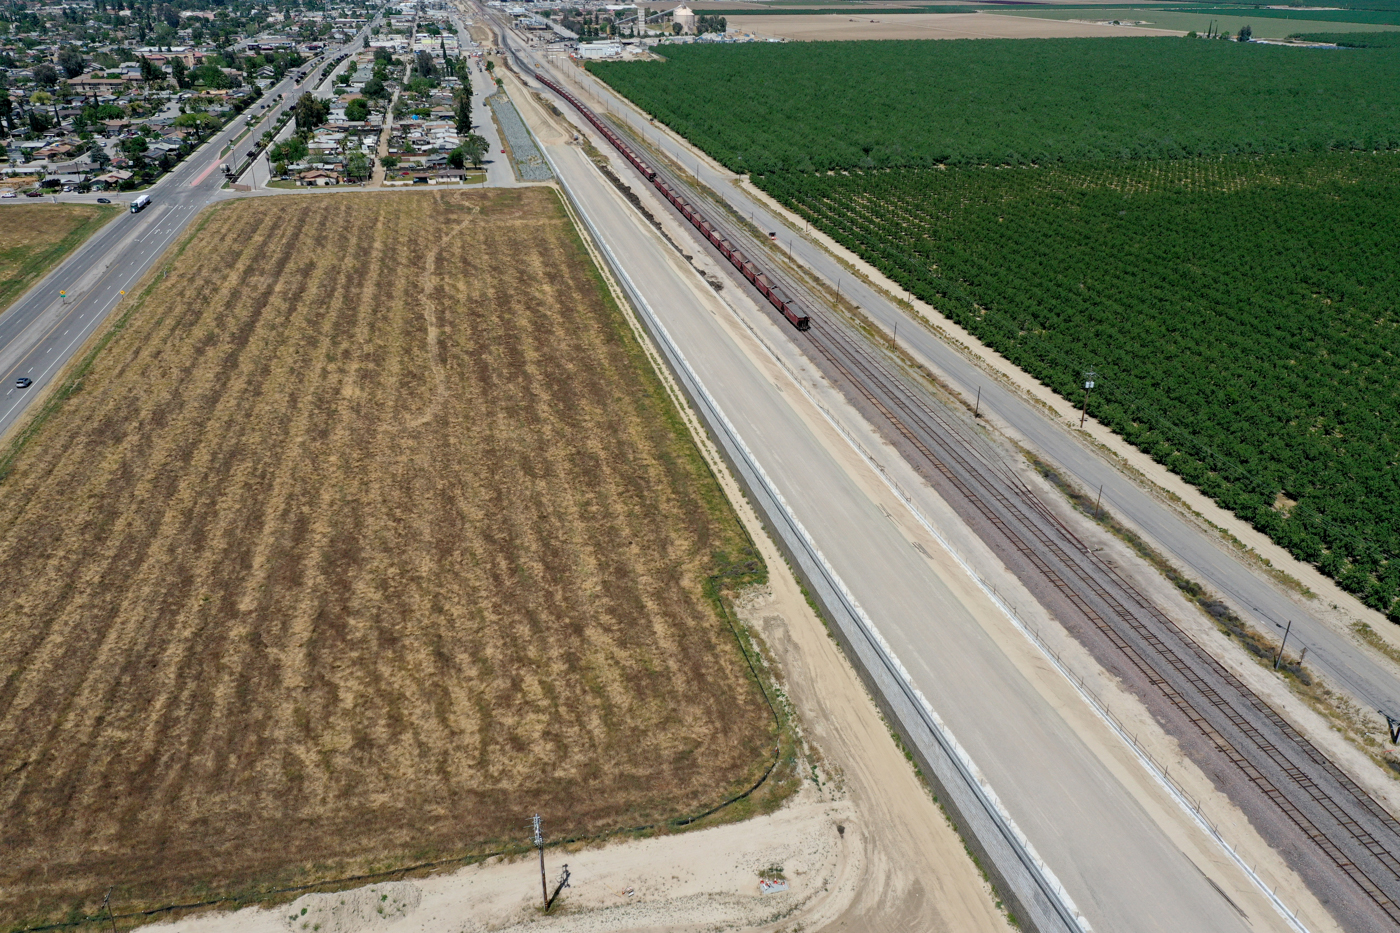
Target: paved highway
{"type": "Point", "coordinates": [1371, 679]}
{"type": "Point", "coordinates": [1123, 868]}
{"type": "Point", "coordinates": [41, 331]}
{"type": "Point", "coordinates": [1107, 835]}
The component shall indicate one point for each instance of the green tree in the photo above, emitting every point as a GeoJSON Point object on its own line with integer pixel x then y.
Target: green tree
{"type": "Point", "coordinates": [425, 65]}
{"type": "Point", "coordinates": [45, 74]}
{"type": "Point", "coordinates": [462, 108]}
{"type": "Point", "coordinates": [150, 71]}
{"type": "Point", "coordinates": [390, 162]}
{"type": "Point", "coordinates": [375, 89]}
{"type": "Point", "coordinates": [357, 166]}
{"type": "Point", "coordinates": [201, 123]}
{"type": "Point", "coordinates": [357, 110]}
{"type": "Point", "coordinates": [134, 148]}
{"type": "Point", "coordinates": [310, 113]}
{"type": "Point", "coordinates": [70, 60]}
{"type": "Point", "coordinates": [473, 148]}
{"type": "Point", "coordinates": [44, 97]}
{"type": "Point", "coordinates": [291, 150]}
{"type": "Point", "coordinates": [180, 72]}
{"type": "Point", "coordinates": [1246, 33]}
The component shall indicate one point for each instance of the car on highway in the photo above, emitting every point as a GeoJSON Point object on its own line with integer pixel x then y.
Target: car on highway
{"type": "Point", "coordinates": [9, 194]}
{"type": "Point", "coordinates": [23, 382]}
{"type": "Point", "coordinates": [34, 194]}
{"type": "Point", "coordinates": [104, 200]}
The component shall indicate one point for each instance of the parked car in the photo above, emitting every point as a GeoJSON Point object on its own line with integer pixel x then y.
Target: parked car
{"type": "Point", "coordinates": [23, 382]}
{"type": "Point", "coordinates": [34, 194]}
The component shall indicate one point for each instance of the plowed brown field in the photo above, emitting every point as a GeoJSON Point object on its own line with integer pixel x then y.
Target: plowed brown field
{"type": "Point", "coordinates": [368, 536]}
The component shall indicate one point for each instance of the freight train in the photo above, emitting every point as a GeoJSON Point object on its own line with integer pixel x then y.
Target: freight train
{"type": "Point", "coordinates": [788, 307]}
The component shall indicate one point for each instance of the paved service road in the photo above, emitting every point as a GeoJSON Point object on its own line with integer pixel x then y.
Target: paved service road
{"type": "Point", "coordinates": [1123, 870]}
{"type": "Point", "coordinates": [41, 331]}
{"type": "Point", "coordinates": [1372, 680]}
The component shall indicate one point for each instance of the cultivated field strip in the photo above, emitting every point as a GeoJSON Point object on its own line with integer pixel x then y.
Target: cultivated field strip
{"type": "Point", "coordinates": [1331, 830]}
{"type": "Point", "coordinates": [369, 536]}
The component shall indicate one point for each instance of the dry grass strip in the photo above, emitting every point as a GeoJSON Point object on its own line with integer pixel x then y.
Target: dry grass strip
{"type": "Point", "coordinates": [35, 237]}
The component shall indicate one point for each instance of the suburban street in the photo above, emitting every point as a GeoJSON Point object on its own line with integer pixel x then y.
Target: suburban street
{"type": "Point", "coordinates": [44, 327]}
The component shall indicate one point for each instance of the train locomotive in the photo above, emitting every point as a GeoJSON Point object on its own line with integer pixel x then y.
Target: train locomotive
{"type": "Point", "coordinates": [787, 306]}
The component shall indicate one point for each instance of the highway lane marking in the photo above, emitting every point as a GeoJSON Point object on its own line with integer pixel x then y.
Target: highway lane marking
{"type": "Point", "coordinates": [81, 336]}
{"type": "Point", "coordinates": [5, 419]}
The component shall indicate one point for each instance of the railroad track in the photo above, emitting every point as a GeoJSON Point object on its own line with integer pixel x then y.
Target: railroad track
{"type": "Point", "coordinates": [1346, 827]}
{"type": "Point", "coordinates": [1058, 554]}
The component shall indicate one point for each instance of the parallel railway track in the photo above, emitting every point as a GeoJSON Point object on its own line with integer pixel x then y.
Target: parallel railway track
{"type": "Point", "coordinates": [1345, 826]}
{"type": "Point", "coordinates": [1060, 556]}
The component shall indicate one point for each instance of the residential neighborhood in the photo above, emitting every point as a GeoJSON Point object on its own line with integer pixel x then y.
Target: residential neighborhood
{"type": "Point", "coordinates": [98, 95]}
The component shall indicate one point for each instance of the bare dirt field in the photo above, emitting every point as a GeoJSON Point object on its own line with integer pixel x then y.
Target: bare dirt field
{"type": "Point", "coordinates": [34, 237]}
{"type": "Point", "coordinates": [876, 25]}
{"type": "Point", "coordinates": [369, 534]}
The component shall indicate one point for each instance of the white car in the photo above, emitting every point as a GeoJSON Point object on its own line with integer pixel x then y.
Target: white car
{"type": "Point", "coordinates": [9, 194]}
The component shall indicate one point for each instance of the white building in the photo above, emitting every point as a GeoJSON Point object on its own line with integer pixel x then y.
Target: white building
{"type": "Point", "coordinates": [609, 49]}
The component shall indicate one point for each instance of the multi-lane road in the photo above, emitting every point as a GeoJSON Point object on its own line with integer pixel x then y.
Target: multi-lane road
{"type": "Point", "coordinates": [43, 329]}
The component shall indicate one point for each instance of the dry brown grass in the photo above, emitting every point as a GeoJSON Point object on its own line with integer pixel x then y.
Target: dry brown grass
{"type": "Point", "coordinates": [34, 237]}
{"type": "Point", "coordinates": [369, 536]}
{"type": "Point", "coordinates": [874, 24]}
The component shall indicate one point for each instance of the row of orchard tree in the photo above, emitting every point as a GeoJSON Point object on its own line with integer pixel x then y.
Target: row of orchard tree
{"type": "Point", "coordinates": [1240, 315]}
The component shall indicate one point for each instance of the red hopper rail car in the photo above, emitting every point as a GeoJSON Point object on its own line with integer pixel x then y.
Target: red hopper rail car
{"type": "Point", "coordinates": [789, 308]}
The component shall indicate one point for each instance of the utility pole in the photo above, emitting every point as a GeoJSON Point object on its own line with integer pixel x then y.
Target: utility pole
{"type": "Point", "coordinates": [977, 409]}
{"type": "Point", "coordinates": [1394, 725]}
{"type": "Point", "coordinates": [539, 844]}
{"type": "Point", "coordinates": [1097, 502]}
{"type": "Point", "coordinates": [1088, 384]}
{"type": "Point", "coordinates": [107, 906]}
{"type": "Point", "coordinates": [1279, 657]}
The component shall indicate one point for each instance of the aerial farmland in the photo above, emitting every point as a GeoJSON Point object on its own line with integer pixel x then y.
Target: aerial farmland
{"type": "Point", "coordinates": [1070, 204]}
{"type": "Point", "coordinates": [326, 566]}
